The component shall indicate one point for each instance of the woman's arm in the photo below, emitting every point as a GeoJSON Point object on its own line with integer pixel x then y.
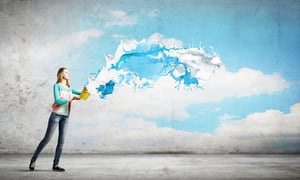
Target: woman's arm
{"type": "Point", "coordinates": [74, 91]}
{"type": "Point", "coordinates": [57, 99]}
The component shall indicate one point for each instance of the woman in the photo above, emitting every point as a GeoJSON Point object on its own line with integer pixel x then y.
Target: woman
{"type": "Point", "coordinates": [63, 96]}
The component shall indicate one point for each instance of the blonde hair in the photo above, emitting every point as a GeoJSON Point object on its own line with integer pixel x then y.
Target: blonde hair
{"type": "Point", "coordinates": [60, 76]}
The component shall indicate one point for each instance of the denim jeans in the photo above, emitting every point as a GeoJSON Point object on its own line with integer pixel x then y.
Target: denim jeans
{"type": "Point", "coordinates": [54, 120]}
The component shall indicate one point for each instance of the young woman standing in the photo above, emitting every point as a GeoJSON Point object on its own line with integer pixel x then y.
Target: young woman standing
{"type": "Point", "coordinates": [63, 96]}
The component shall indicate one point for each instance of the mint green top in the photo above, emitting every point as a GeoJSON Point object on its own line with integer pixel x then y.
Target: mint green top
{"type": "Point", "coordinates": [62, 95]}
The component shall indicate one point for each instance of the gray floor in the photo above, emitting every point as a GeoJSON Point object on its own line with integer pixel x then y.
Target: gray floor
{"type": "Point", "coordinates": [155, 166]}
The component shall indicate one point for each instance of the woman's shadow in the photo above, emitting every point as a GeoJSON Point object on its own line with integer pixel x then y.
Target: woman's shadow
{"type": "Point", "coordinates": [36, 170]}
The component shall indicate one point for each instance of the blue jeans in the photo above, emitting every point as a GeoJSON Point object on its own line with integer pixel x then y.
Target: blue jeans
{"type": "Point", "coordinates": [54, 120]}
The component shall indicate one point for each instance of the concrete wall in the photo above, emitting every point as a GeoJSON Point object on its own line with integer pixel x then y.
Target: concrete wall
{"type": "Point", "coordinates": [29, 61]}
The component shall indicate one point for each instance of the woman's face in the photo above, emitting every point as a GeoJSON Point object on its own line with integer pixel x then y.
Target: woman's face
{"type": "Point", "coordinates": [66, 74]}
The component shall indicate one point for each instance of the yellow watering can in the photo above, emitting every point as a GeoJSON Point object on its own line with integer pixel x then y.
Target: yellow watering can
{"type": "Point", "coordinates": [84, 94]}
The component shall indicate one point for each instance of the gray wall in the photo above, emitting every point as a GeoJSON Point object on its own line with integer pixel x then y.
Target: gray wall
{"type": "Point", "coordinates": [27, 72]}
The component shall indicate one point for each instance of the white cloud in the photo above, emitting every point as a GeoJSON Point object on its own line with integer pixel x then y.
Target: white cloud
{"type": "Point", "coordinates": [166, 101]}
{"type": "Point", "coordinates": [73, 40]}
{"type": "Point", "coordinates": [119, 18]}
{"type": "Point", "coordinates": [225, 117]}
{"type": "Point", "coordinates": [264, 124]}
{"type": "Point", "coordinates": [117, 14]}
{"type": "Point", "coordinates": [245, 82]}
{"type": "Point", "coordinates": [119, 36]}
{"type": "Point", "coordinates": [270, 131]}
{"type": "Point", "coordinates": [168, 42]}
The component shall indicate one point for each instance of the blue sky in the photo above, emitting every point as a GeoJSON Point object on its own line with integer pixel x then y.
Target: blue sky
{"type": "Point", "coordinates": [260, 35]}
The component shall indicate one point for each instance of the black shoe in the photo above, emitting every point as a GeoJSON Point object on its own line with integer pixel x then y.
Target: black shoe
{"type": "Point", "coordinates": [57, 168]}
{"type": "Point", "coordinates": [31, 165]}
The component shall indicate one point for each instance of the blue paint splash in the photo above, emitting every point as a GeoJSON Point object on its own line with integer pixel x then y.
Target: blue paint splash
{"type": "Point", "coordinates": [106, 89]}
{"type": "Point", "coordinates": [141, 64]}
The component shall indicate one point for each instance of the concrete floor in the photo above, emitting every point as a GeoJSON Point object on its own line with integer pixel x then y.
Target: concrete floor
{"type": "Point", "coordinates": [154, 166]}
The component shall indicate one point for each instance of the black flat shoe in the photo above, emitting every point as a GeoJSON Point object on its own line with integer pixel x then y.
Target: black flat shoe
{"type": "Point", "coordinates": [32, 165]}
{"type": "Point", "coordinates": [57, 168]}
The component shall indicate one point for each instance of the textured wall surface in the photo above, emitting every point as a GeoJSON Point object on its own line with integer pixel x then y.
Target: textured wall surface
{"type": "Point", "coordinates": [38, 37]}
